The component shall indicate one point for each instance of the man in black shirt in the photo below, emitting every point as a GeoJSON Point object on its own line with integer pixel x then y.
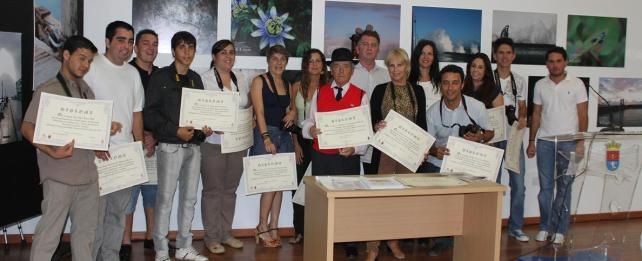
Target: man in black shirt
{"type": "Point", "coordinates": [179, 154]}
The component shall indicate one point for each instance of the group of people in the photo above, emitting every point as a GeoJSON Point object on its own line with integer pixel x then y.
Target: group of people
{"type": "Point", "coordinates": [147, 105]}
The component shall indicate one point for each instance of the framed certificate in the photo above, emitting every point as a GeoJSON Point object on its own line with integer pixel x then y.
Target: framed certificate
{"type": "Point", "coordinates": [344, 128]}
{"type": "Point", "coordinates": [403, 141]}
{"type": "Point", "coordinates": [215, 109]}
{"type": "Point", "coordinates": [473, 158]}
{"type": "Point", "coordinates": [124, 169]}
{"type": "Point", "coordinates": [266, 173]}
{"type": "Point", "coordinates": [62, 119]}
{"type": "Point", "coordinates": [243, 138]}
{"type": "Point", "coordinates": [497, 122]}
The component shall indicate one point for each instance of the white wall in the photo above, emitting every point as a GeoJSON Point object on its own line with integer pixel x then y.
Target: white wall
{"type": "Point", "coordinates": [99, 13]}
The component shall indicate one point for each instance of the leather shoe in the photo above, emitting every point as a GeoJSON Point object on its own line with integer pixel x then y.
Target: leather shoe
{"type": "Point", "coordinates": [148, 244]}
{"type": "Point", "coordinates": [351, 252]}
{"type": "Point", "coordinates": [125, 252]}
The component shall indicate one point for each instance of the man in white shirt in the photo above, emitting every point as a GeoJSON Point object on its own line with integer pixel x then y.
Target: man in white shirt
{"type": "Point", "coordinates": [112, 78]}
{"type": "Point", "coordinates": [560, 107]}
{"type": "Point", "coordinates": [513, 87]}
{"type": "Point", "coordinates": [366, 75]}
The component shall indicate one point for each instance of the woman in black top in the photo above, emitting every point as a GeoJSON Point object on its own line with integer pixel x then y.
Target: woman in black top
{"type": "Point", "coordinates": [405, 98]}
{"type": "Point", "coordinates": [479, 82]}
{"type": "Point", "coordinates": [270, 98]}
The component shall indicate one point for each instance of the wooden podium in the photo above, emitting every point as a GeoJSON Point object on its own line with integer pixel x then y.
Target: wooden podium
{"type": "Point", "coordinates": [471, 213]}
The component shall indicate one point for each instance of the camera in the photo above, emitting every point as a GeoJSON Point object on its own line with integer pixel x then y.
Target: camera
{"type": "Point", "coordinates": [294, 129]}
{"type": "Point", "coordinates": [198, 137]}
{"type": "Point", "coordinates": [510, 114]}
{"type": "Point", "coordinates": [472, 128]}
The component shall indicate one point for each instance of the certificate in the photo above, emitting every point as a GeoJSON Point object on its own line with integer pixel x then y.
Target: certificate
{"type": "Point", "coordinates": [214, 109]}
{"type": "Point", "coordinates": [125, 168]}
{"type": "Point", "coordinates": [403, 141]}
{"type": "Point", "coordinates": [63, 119]}
{"type": "Point", "coordinates": [344, 128]}
{"type": "Point", "coordinates": [472, 157]}
{"type": "Point", "coordinates": [497, 123]}
{"type": "Point", "coordinates": [513, 148]}
{"type": "Point", "coordinates": [266, 173]}
{"type": "Point", "coordinates": [431, 181]}
{"type": "Point", "coordinates": [243, 137]}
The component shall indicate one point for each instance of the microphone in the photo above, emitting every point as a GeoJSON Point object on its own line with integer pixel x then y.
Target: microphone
{"type": "Point", "coordinates": [612, 127]}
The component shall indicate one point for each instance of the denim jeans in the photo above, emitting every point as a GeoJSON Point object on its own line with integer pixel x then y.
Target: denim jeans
{"type": "Point", "coordinates": [281, 139]}
{"type": "Point", "coordinates": [177, 164]}
{"type": "Point", "coordinates": [551, 166]}
{"type": "Point", "coordinates": [149, 197]}
{"type": "Point", "coordinates": [517, 190]}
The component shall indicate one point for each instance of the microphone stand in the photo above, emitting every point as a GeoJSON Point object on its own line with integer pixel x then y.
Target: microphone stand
{"type": "Point", "coordinates": [612, 127]}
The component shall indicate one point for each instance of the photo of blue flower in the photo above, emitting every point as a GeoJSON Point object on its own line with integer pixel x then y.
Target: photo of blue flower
{"type": "Point", "coordinates": [272, 28]}
{"type": "Point", "coordinates": [257, 25]}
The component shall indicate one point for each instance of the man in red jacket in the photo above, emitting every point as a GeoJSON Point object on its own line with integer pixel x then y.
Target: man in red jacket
{"type": "Point", "coordinates": [338, 95]}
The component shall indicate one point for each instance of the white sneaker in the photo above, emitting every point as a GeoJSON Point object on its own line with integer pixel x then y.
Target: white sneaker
{"type": "Point", "coordinates": [190, 254]}
{"type": "Point", "coordinates": [558, 239]}
{"type": "Point", "coordinates": [519, 235]}
{"type": "Point", "coordinates": [162, 257]}
{"type": "Point", "coordinates": [541, 236]}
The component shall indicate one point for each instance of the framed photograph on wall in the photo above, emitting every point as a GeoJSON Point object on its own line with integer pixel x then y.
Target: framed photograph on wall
{"type": "Point", "coordinates": [343, 20]}
{"type": "Point", "coordinates": [532, 33]}
{"type": "Point", "coordinates": [625, 100]}
{"type": "Point", "coordinates": [10, 87]}
{"type": "Point", "coordinates": [456, 32]}
{"type": "Point", "coordinates": [257, 25]}
{"type": "Point", "coordinates": [54, 22]}
{"type": "Point", "coordinates": [167, 17]}
{"type": "Point", "coordinates": [596, 41]}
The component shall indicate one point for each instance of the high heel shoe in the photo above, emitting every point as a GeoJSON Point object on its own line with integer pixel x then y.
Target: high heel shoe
{"type": "Point", "coordinates": [265, 238]}
{"type": "Point", "coordinates": [393, 245]}
{"type": "Point", "coordinates": [277, 239]}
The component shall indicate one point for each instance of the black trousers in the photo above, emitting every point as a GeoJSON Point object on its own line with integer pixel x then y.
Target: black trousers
{"type": "Point", "coordinates": [299, 211]}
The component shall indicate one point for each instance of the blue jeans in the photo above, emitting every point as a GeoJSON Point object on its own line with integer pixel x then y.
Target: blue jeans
{"type": "Point", "coordinates": [149, 197]}
{"type": "Point", "coordinates": [178, 165]}
{"type": "Point", "coordinates": [517, 190]}
{"type": "Point", "coordinates": [551, 167]}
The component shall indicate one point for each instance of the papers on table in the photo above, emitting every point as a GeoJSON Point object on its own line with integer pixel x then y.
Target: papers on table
{"type": "Point", "coordinates": [513, 148]}
{"type": "Point", "coordinates": [344, 128]}
{"type": "Point", "coordinates": [472, 157]}
{"type": "Point", "coordinates": [358, 183]}
{"type": "Point", "coordinates": [266, 173]}
{"type": "Point", "coordinates": [242, 138]}
{"type": "Point", "coordinates": [215, 109]}
{"type": "Point", "coordinates": [431, 181]}
{"type": "Point", "coordinates": [497, 122]}
{"type": "Point", "coordinates": [62, 119]}
{"type": "Point", "coordinates": [403, 141]}
{"type": "Point", "coordinates": [124, 169]}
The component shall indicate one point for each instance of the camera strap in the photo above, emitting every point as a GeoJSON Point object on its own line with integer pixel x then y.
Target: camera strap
{"type": "Point", "coordinates": [220, 82]}
{"type": "Point", "coordinates": [66, 88]}
{"type": "Point", "coordinates": [512, 84]}
{"type": "Point", "coordinates": [441, 108]}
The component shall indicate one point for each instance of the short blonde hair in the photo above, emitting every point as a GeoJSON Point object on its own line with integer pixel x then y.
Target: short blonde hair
{"type": "Point", "coordinates": [401, 54]}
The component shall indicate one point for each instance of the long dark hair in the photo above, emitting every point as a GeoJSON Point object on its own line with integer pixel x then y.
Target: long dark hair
{"type": "Point", "coordinates": [305, 75]}
{"type": "Point", "coordinates": [218, 47]}
{"type": "Point", "coordinates": [487, 87]}
{"type": "Point", "coordinates": [433, 71]}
